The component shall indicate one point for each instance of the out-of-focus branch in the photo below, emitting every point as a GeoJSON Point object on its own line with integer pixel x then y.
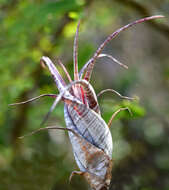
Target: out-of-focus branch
{"type": "Point", "coordinates": [9, 5]}
{"type": "Point", "coordinates": [145, 11]}
{"type": "Point", "coordinates": [20, 122]}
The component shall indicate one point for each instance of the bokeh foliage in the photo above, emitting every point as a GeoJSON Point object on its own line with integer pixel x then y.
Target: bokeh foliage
{"type": "Point", "coordinates": [31, 29]}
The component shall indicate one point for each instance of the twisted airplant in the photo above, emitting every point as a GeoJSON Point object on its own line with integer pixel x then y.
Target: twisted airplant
{"type": "Point", "coordinates": [89, 134]}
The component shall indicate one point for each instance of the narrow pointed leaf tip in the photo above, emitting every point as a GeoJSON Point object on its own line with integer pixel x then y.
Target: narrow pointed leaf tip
{"type": "Point", "coordinates": [149, 18]}
{"type": "Point", "coordinates": [158, 16]}
{"type": "Point", "coordinates": [75, 53]}
{"type": "Point", "coordinates": [42, 62]}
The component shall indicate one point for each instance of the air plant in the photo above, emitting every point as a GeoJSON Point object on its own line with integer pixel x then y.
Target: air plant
{"type": "Point", "coordinates": [89, 134]}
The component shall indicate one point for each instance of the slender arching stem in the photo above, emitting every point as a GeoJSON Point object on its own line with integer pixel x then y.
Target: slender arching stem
{"type": "Point", "coordinates": [65, 70]}
{"type": "Point", "coordinates": [115, 113]}
{"type": "Point", "coordinates": [102, 55]}
{"type": "Point", "coordinates": [48, 128]}
{"type": "Point", "coordinates": [33, 99]}
{"type": "Point", "coordinates": [108, 39]}
{"type": "Point", "coordinates": [115, 92]}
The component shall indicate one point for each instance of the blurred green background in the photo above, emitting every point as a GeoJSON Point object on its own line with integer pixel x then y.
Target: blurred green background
{"type": "Point", "coordinates": [44, 161]}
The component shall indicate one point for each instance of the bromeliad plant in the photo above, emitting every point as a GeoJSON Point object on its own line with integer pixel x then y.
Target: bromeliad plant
{"type": "Point", "coordinates": [89, 134]}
